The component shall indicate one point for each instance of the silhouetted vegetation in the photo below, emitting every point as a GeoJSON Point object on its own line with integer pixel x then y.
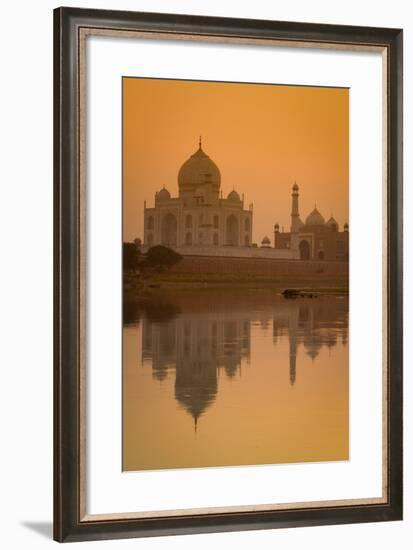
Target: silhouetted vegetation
{"type": "Point", "coordinates": [161, 257]}
{"type": "Point", "coordinates": [131, 257]}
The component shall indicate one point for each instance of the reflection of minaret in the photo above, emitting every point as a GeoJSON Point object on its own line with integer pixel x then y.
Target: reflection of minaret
{"type": "Point", "coordinates": [293, 344]}
{"type": "Point", "coordinates": [159, 345]}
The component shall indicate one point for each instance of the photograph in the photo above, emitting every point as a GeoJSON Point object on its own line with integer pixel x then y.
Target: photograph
{"type": "Point", "coordinates": [235, 274]}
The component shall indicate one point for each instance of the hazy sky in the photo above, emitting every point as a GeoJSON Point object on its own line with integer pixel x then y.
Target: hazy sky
{"type": "Point", "coordinates": [262, 138]}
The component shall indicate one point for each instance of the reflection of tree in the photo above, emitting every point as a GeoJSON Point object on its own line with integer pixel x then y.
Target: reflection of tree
{"type": "Point", "coordinates": [158, 310]}
{"type": "Point", "coordinates": [197, 335]}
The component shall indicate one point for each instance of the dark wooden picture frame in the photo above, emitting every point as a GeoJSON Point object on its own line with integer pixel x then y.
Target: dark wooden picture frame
{"type": "Point", "coordinates": [71, 523]}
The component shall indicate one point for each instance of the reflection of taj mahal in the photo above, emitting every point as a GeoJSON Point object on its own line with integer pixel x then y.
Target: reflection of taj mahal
{"type": "Point", "coordinates": [201, 222]}
{"type": "Point", "coordinates": [200, 343]}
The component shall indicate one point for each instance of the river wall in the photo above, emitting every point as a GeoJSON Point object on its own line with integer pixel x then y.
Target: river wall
{"type": "Point", "coordinates": [263, 266]}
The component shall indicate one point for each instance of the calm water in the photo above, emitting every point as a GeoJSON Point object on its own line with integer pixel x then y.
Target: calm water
{"type": "Point", "coordinates": [218, 377]}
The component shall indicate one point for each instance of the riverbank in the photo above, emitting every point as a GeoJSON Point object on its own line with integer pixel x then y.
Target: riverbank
{"type": "Point", "coordinates": [135, 285]}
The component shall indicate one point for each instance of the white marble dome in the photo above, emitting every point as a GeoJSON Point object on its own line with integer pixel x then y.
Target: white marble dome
{"type": "Point", "coordinates": [198, 170]}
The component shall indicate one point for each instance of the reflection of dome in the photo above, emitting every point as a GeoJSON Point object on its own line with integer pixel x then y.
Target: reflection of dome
{"type": "Point", "coordinates": [312, 346]}
{"type": "Point", "coordinates": [195, 387]}
{"type": "Point", "coordinates": [315, 218]}
{"type": "Point", "coordinates": [198, 170]}
{"type": "Point", "coordinates": [163, 194]}
{"type": "Point", "coordinates": [233, 196]}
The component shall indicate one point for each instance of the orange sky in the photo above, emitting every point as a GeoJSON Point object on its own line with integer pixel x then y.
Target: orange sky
{"type": "Point", "coordinates": [262, 138]}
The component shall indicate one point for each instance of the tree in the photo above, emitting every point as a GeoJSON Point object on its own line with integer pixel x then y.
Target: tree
{"type": "Point", "coordinates": [131, 257]}
{"type": "Point", "coordinates": [161, 257]}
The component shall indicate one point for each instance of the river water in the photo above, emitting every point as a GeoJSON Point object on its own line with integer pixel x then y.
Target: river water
{"type": "Point", "coordinates": [234, 377]}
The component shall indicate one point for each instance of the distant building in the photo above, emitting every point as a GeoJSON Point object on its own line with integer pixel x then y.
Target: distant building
{"type": "Point", "coordinates": [201, 222]}
{"type": "Point", "coordinates": [316, 239]}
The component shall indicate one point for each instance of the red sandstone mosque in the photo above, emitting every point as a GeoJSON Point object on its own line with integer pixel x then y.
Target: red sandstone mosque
{"type": "Point", "coordinates": [200, 221]}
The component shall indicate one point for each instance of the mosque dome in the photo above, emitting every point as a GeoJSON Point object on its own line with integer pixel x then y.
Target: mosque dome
{"type": "Point", "coordinates": [315, 218]}
{"type": "Point", "coordinates": [233, 196]}
{"type": "Point", "coordinates": [198, 170]}
{"type": "Point", "coordinates": [163, 194]}
{"type": "Point", "coordinates": [332, 223]}
{"type": "Point", "coordinates": [265, 242]}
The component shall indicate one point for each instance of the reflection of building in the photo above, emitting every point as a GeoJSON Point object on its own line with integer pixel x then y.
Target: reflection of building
{"type": "Point", "coordinates": [206, 337]}
{"type": "Point", "coordinates": [201, 222]}
{"type": "Point", "coordinates": [197, 347]}
{"type": "Point", "coordinates": [315, 239]}
{"type": "Point", "coordinates": [314, 324]}
{"type": "Point", "coordinates": [199, 216]}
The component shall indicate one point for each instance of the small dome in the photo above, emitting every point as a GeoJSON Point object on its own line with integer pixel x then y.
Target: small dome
{"type": "Point", "coordinates": [346, 226]}
{"type": "Point", "coordinates": [163, 194]}
{"type": "Point", "coordinates": [332, 223]}
{"type": "Point", "coordinates": [315, 218]}
{"type": "Point", "coordinates": [295, 186]}
{"type": "Point", "coordinates": [265, 240]}
{"type": "Point", "coordinates": [233, 196]}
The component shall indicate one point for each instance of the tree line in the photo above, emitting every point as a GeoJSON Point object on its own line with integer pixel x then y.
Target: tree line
{"type": "Point", "coordinates": [157, 258]}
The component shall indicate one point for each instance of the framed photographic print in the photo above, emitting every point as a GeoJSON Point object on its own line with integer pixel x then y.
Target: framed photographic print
{"type": "Point", "coordinates": [228, 274]}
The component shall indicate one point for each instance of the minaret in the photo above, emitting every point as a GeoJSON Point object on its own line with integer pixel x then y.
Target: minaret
{"type": "Point", "coordinates": [295, 215]}
{"type": "Point", "coordinates": [295, 219]}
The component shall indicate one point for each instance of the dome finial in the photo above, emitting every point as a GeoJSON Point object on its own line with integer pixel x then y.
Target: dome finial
{"type": "Point", "coordinates": [200, 142]}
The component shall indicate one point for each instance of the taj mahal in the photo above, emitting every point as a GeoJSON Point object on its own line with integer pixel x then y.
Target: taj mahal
{"type": "Point", "coordinates": [200, 221]}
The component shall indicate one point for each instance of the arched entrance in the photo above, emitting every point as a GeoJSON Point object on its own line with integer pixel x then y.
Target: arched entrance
{"type": "Point", "coordinates": [169, 230]}
{"type": "Point", "coordinates": [232, 231]}
{"type": "Point", "coordinates": [304, 250]}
